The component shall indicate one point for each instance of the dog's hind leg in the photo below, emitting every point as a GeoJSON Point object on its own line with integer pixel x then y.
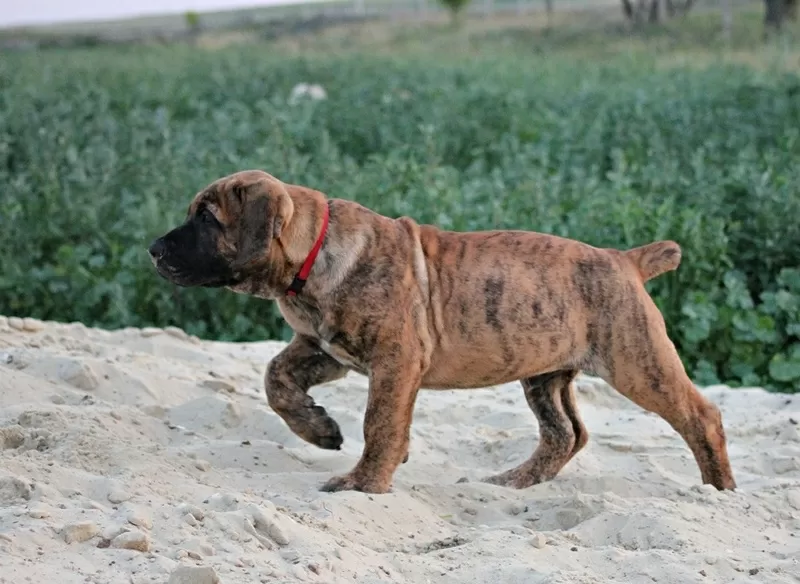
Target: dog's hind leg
{"type": "Point", "coordinates": [644, 366]}
{"type": "Point", "coordinates": [562, 434]}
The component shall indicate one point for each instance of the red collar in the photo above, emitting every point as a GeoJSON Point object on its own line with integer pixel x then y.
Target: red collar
{"type": "Point", "coordinates": [300, 279]}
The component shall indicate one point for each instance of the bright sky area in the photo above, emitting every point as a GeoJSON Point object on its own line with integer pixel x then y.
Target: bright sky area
{"type": "Point", "coordinates": [19, 13]}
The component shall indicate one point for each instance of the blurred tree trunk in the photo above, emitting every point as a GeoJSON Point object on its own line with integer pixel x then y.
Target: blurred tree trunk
{"type": "Point", "coordinates": [653, 11]}
{"type": "Point", "coordinates": [776, 12]}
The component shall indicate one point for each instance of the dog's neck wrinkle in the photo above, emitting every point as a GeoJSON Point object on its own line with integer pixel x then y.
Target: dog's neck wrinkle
{"type": "Point", "coordinates": [299, 235]}
{"type": "Point", "coordinates": [340, 254]}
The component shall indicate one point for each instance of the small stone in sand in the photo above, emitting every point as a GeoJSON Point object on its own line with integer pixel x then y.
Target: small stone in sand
{"type": "Point", "coordinates": [80, 532]}
{"type": "Point", "coordinates": [190, 519]}
{"type": "Point", "coordinates": [193, 510]}
{"type": "Point", "coordinates": [194, 575]}
{"type": "Point", "coordinates": [79, 375]}
{"type": "Point", "coordinates": [219, 385]}
{"type": "Point", "coordinates": [132, 540]}
{"type": "Point", "coordinates": [203, 465]}
{"type": "Point", "coordinates": [140, 518]}
{"type": "Point", "coordinates": [38, 513]}
{"type": "Point", "coordinates": [12, 488]}
{"type": "Point", "coordinates": [16, 323]}
{"type": "Point", "coordinates": [538, 541]}
{"type": "Point", "coordinates": [118, 496]}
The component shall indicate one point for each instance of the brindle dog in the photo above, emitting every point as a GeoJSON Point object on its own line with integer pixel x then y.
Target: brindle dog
{"type": "Point", "coordinates": [411, 306]}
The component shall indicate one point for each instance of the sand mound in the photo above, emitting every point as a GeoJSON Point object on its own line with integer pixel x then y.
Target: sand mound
{"type": "Point", "coordinates": [141, 456]}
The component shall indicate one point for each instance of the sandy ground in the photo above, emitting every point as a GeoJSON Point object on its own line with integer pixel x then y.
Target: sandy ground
{"type": "Point", "coordinates": [141, 456]}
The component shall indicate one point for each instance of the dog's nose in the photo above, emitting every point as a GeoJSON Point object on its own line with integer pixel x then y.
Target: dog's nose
{"type": "Point", "coordinates": [157, 249]}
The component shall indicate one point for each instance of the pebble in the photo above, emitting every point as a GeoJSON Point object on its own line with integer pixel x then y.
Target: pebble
{"type": "Point", "coordinates": [32, 325]}
{"type": "Point", "coordinates": [78, 375]}
{"type": "Point", "coordinates": [113, 531]}
{"type": "Point", "coordinates": [38, 513]}
{"type": "Point", "coordinates": [516, 508]}
{"type": "Point", "coordinates": [118, 496]}
{"type": "Point", "coordinates": [16, 323]}
{"type": "Point", "coordinates": [11, 437]}
{"type": "Point", "coordinates": [268, 525]}
{"type": "Point", "coordinates": [132, 540]}
{"type": "Point", "coordinates": [150, 332]}
{"type": "Point", "coordinates": [538, 541]}
{"type": "Point", "coordinates": [192, 510]}
{"type": "Point", "coordinates": [793, 498]}
{"type": "Point", "coordinates": [190, 519]}
{"type": "Point", "coordinates": [207, 549]}
{"type": "Point", "coordinates": [80, 532]}
{"type": "Point", "coordinates": [193, 575]}
{"type": "Point", "coordinates": [194, 555]}
{"type": "Point", "coordinates": [58, 399]}
{"type": "Point", "coordinates": [203, 465]}
{"type": "Point", "coordinates": [140, 518]}
{"type": "Point", "coordinates": [219, 385]}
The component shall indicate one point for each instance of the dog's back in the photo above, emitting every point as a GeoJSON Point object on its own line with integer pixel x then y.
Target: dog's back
{"type": "Point", "coordinates": [513, 303]}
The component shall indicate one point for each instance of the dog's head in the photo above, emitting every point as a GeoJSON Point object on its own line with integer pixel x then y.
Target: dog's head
{"type": "Point", "coordinates": [227, 238]}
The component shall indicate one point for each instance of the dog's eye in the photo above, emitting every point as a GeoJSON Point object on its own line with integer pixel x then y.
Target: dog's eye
{"type": "Point", "coordinates": [207, 216]}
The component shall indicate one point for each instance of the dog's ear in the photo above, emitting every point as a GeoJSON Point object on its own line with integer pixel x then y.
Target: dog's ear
{"type": "Point", "coordinates": [266, 209]}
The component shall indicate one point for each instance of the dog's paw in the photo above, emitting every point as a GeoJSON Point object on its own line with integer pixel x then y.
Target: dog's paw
{"type": "Point", "coordinates": [330, 438]}
{"type": "Point", "coordinates": [352, 482]}
{"type": "Point", "coordinates": [512, 479]}
{"type": "Point", "coordinates": [318, 428]}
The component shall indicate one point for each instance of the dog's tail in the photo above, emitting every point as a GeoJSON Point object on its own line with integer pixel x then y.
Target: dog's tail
{"type": "Point", "coordinates": [655, 258]}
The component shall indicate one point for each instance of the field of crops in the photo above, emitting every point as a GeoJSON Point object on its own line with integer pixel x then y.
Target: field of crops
{"type": "Point", "coordinates": [100, 150]}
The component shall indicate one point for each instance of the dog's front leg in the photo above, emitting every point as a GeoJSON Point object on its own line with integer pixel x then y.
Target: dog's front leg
{"type": "Point", "coordinates": [393, 390]}
{"type": "Point", "coordinates": [293, 371]}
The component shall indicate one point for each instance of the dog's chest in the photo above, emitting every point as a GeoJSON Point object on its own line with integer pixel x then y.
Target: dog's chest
{"type": "Point", "coordinates": [341, 355]}
{"type": "Point", "coordinates": [332, 341]}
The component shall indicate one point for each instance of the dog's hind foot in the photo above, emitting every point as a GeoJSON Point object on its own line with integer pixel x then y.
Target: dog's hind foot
{"type": "Point", "coordinates": [516, 478]}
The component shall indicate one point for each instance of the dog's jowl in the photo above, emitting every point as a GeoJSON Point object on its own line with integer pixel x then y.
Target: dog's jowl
{"type": "Point", "coordinates": [468, 310]}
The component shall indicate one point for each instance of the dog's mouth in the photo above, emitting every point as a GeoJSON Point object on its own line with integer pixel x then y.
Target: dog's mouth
{"type": "Point", "coordinates": [186, 279]}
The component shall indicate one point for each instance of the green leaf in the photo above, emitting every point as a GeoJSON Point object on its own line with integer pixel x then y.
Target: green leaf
{"type": "Point", "coordinates": [790, 278]}
{"type": "Point", "coordinates": [705, 373]}
{"type": "Point", "coordinates": [785, 369]}
{"type": "Point", "coordinates": [738, 296]}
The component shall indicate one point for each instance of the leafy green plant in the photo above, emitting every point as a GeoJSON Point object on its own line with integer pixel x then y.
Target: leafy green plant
{"type": "Point", "coordinates": [101, 150]}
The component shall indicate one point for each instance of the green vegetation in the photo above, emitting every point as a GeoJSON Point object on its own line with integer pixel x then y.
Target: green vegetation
{"type": "Point", "coordinates": [102, 149]}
